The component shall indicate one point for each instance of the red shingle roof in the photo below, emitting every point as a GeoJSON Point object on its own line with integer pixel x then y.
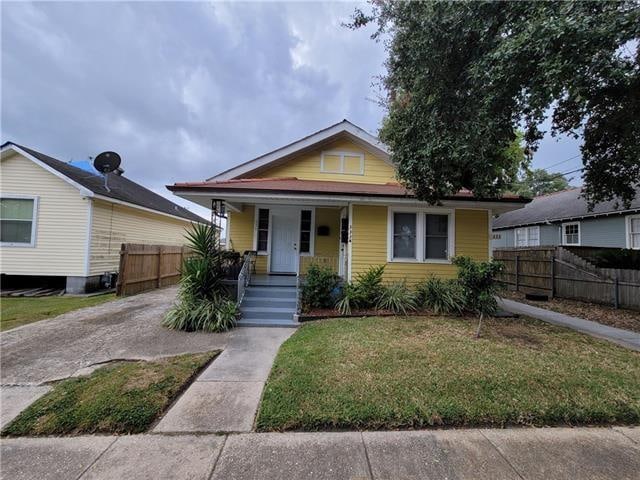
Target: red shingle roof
{"type": "Point", "coordinates": [318, 187]}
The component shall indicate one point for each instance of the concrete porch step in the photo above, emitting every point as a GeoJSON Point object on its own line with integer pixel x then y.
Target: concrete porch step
{"type": "Point", "coordinates": [268, 302]}
{"type": "Point", "coordinates": [266, 322]}
{"type": "Point", "coordinates": [267, 312]}
{"type": "Point", "coordinates": [270, 292]}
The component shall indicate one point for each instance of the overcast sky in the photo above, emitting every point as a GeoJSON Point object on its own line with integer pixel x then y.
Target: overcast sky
{"type": "Point", "coordinates": [185, 90]}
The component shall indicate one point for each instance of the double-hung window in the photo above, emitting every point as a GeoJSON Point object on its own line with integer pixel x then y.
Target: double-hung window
{"type": "Point", "coordinates": [527, 236]}
{"type": "Point", "coordinates": [633, 232]}
{"type": "Point", "coordinates": [18, 221]}
{"type": "Point", "coordinates": [420, 236]}
{"type": "Point", "coordinates": [263, 230]}
{"type": "Point", "coordinates": [571, 233]}
{"type": "Point", "coordinates": [404, 235]}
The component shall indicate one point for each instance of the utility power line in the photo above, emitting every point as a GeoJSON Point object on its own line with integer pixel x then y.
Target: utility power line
{"type": "Point", "coordinates": [563, 161]}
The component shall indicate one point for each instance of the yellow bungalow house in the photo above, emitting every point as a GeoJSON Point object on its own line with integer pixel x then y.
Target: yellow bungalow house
{"type": "Point", "coordinates": [333, 198]}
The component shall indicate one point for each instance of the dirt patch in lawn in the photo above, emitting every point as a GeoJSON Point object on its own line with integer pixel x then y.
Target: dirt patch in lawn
{"type": "Point", "coordinates": [121, 397]}
{"type": "Point", "coordinates": [619, 318]}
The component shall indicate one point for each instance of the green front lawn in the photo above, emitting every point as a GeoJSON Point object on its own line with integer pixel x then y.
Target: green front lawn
{"type": "Point", "coordinates": [22, 310]}
{"type": "Point", "coordinates": [124, 397]}
{"type": "Point", "coordinates": [389, 373]}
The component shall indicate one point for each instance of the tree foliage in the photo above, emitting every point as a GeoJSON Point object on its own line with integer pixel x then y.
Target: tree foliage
{"type": "Point", "coordinates": [538, 182]}
{"type": "Point", "coordinates": [462, 76]}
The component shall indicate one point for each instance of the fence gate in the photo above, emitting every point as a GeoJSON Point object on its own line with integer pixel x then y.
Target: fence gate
{"type": "Point", "coordinates": [146, 267]}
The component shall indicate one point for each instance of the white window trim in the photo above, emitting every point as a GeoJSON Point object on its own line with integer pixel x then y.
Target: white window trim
{"type": "Point", "coordinates": [628, 219]}
{"type": "Point", "coordinates": [312, 234]}
{"type": "Point", "coordinates": [296, 211]}
{"type": "Point", "coordinates": [527, 240]}
{"type": "Point", "coordinates": [564, 235]}
{"type": "Point", "coordinates": [420, 236]}
{"type": "Point", "coordinates": [34, 220]}
{"type": "Point", "coordinates": [341, 154]}
{"type": "Point", "coordinates": [255, 230]}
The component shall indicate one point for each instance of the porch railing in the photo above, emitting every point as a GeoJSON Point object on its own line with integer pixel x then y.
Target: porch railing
{"type": "Point", "coordinates": [244, 277]}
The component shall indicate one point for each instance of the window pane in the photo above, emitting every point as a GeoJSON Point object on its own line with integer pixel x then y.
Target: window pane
{"type": "Point", "coordinates": [15, 231]}
{"type": "Point", "coordinates": [635, 225]}
{"type": "Point", "coordinates": [436, 247]}
{"type": "Point", "coordinates": [437, 225]}
{"type": "Point", "coordinates": [305, 220]}
{"type": "Point", "coordinates": [305, 242]}
{"type": "Point", "coordinates": [263, 218]}
{"type": "Point", "coordinates": [404, 235]}
{"type": "Point", "coordinates": [534, 236]}
{"type": "Point", "coordinates": [16, 208]}
{"type": "Point", "coordinates": [262, 240]}
{"type": "Point", "coordinates": [331, 163]}
{"type": "Point", "coordinates": [352, 164]}
{"type": "Point", "coordinates": [635, 240]}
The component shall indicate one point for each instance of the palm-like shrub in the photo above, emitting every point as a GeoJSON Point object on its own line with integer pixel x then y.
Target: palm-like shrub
{"type": "Point", "coordinates": [443, 297]}
{"type": "Point", "coordinates": [397, 297]}
{"type": "Point", "coordinates": [203, 299]}
{"type": "Point", "coordinates": [364, 292]}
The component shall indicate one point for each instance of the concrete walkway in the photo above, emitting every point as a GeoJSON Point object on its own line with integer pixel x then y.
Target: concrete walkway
{"type": "Point", "coordinates": [625, 338]}
{"type": "Point", "coordinates": [523, 453]}
{"type": "Point", "coordinates": [225, 397]}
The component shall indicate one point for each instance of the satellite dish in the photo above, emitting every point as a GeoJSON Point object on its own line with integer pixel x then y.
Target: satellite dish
{"type": "Point", "coordinates": [107, 162]}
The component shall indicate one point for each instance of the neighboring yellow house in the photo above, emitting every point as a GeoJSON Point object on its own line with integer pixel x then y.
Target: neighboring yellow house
{"type": "Point", "coordinates": [333, 198]}
{"type": "Point", "coordinates": [59, 220]}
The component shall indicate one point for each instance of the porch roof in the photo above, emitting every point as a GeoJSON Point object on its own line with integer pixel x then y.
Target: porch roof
{"type": "Point", "coordinates": [293, 185]}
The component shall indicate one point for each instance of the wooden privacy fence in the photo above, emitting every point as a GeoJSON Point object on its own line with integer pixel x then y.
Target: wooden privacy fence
{"type": "Point", "coordinates": [145, 267]}
{"type": "Point", "coordinates": [557, 272]}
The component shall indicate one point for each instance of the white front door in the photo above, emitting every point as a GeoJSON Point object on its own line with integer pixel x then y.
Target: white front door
{"type": "Point", "coordinates": [284, 242]}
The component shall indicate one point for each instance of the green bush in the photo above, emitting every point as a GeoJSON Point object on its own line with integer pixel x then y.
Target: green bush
{"type": "Point", "coordinates": [363, 293]}
{"type": "Point", "coordinates": [480, 286]}
{"type": "Point", "coordinates": [318, 288]}
{"type": "Point", "coordinates": [443, 297]}
{"type": "Point", "coordinates": [203, 302]}
{"type": "Point", "coordinates": [397, 297]}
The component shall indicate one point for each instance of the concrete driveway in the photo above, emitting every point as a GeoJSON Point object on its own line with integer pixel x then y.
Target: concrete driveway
{"type": "Point", "coordinates": [57, 348]}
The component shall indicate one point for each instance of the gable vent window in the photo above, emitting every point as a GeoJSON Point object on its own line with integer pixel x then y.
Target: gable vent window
{"type": "Point", "coordinates": [349, 163]}
{"type": "Point", "coordinates": [263, 229]}
{"type": "Point", "coordinates": [17, 221]}
{"type": "Point", "coordinates": [305, 231]}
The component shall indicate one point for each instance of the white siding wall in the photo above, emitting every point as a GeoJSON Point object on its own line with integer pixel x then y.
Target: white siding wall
{"type": "Point", "coordinates": [116, 224]}
{"type": "Point", "coordinates": [62, 215]}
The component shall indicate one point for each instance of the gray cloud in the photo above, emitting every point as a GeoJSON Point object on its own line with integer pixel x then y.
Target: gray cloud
{"type": "Point", "coordinates": [181, 90]}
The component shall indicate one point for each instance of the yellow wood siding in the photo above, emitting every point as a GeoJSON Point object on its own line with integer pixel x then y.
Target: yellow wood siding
{"type": "Point", "coordinates": [307, 167]}
{"type": "Point", "coordinates": [241, 225]}
{"type": "Point", "coordinates": [62, 219]}
{"type": "Point", "coordinates": [116, 224]}
{"type": "Point", "coordinates": [241, 232]}
{"type": "Point", "coordinates": [369, 244]}
{"type": "Point", "coordinates": [326, 247]}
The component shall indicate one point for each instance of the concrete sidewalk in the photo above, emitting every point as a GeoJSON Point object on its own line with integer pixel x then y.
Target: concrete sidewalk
{"type": "Point", "coordinates": [625, 338]}
{"type": "Point", "coordinates": [523, 453]}
{"type": "Point", "coordinates": [225, 397]}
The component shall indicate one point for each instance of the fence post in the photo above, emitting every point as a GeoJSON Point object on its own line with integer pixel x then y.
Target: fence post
{"type": "Point", "coordinates": [517, 272]}
{"type": "Point", "coordinates": [553, 276]}
{"type": "Point", "coordinates": [616, 292]}
{"type": "Point", "coordinates": [121, 283]}
{"type": "Point", "coordinates": [159, 271]}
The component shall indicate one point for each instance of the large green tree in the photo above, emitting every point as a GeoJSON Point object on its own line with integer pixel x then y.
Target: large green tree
{"type": "Point", "coordinates": [538, 182]}
{"type": "Point", "coordinates": [463, 76]}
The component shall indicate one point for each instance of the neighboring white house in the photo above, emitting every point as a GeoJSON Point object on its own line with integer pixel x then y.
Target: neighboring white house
{"type": "Point", "coordinates": [59, 220]}
{"type": "Point", "coordinates": [562, 218]}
